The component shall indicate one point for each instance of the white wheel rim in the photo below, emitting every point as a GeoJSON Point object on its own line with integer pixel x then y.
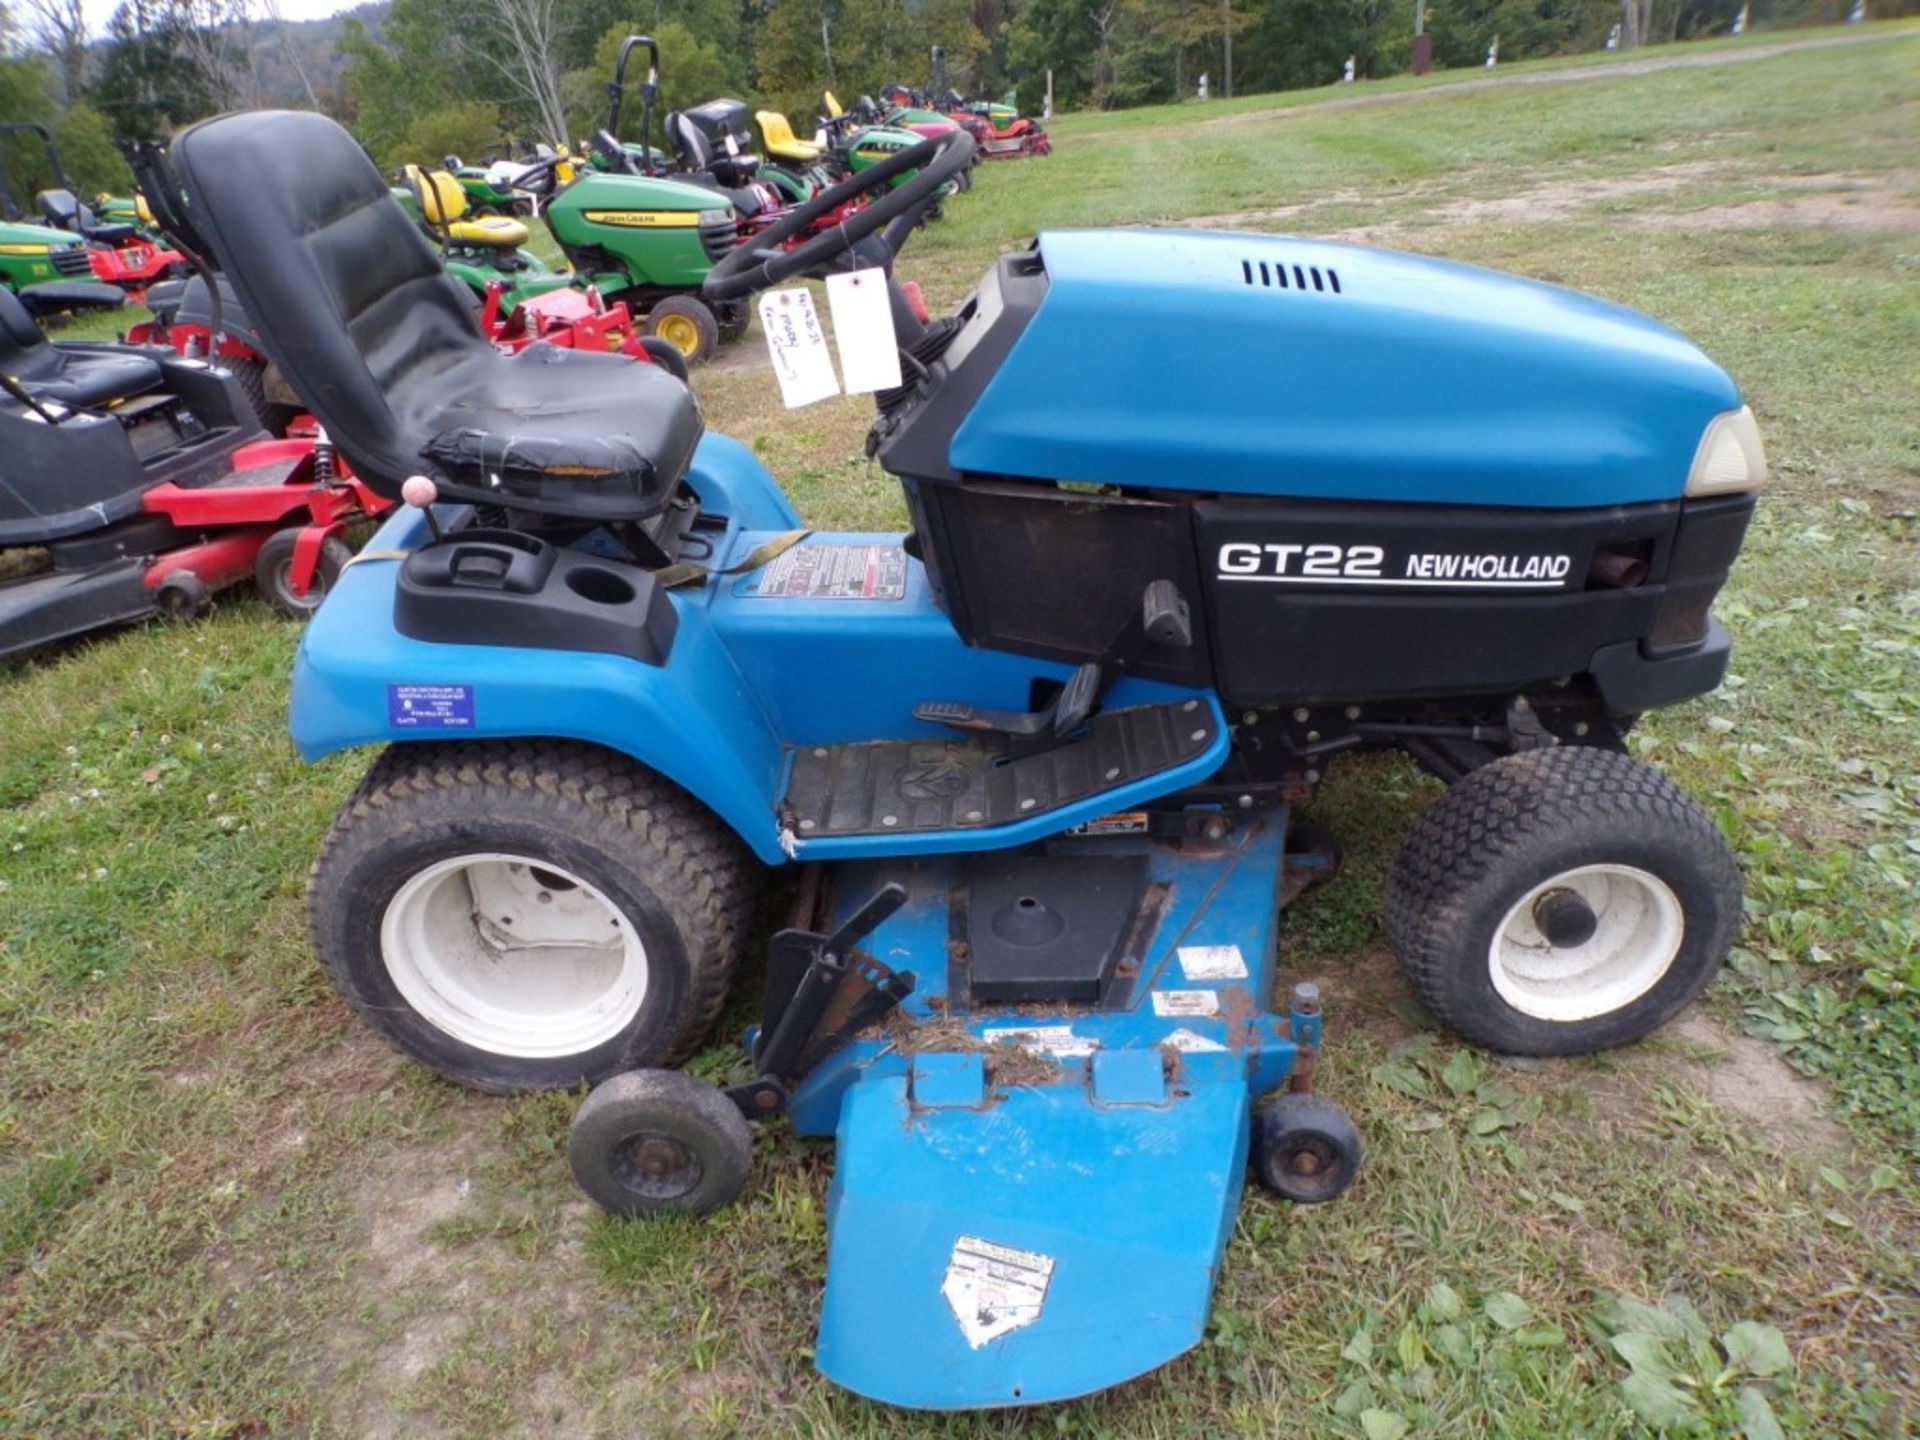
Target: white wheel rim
{"type": "Point", "coordinates": [514, 956]}
{"type": "Point", "coordinates": [1638, 929]}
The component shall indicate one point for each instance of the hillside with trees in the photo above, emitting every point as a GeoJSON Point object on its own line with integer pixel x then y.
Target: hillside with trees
{"type": "Point", "coordinates": [420, 79]}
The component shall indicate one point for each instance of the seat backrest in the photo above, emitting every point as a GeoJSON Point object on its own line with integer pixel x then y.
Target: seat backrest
{"type": "Point", "coordinates": [62, 210]}
{"type": "Point", "coordinates": [442, 198]}
{"type": "Point", "coordinates": [19, 336]}
{"type": "Point", "coordinates": [690, 147]}
{"type": "Point", "coordinates": [776, 130]}
{"type": "Point", "coordinates": [351, 301]}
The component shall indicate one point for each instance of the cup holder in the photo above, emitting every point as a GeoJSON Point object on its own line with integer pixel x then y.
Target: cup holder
{"type": "Point", "coordinates": [603, 587]}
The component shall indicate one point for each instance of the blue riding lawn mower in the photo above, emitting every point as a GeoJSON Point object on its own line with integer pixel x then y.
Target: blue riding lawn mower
{"type": "Point", "coordinates": [1192, 516]}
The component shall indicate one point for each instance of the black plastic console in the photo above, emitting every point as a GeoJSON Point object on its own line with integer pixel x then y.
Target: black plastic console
{"type": "Point", "coordinates": [502, 587]}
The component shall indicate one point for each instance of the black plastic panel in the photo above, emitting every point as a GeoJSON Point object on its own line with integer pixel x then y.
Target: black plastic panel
{"type": "Point", "coordinates": [502, 587]}
{"type": "Point", "coordinates": [1310, 601]}
{"type": "Point", "coordinates": [1043, 929]}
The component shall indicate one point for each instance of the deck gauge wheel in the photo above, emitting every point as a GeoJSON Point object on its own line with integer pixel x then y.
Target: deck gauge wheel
{"type": "Point", "coordinates": [659, 1142]}
{"type": "Point", "coordinates": [1305, 1149]}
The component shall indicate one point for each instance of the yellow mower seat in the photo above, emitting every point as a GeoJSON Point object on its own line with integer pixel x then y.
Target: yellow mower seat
{"type": "Point", "coordinates": [782, 143]}
{"type": "Point", "coordinates": [443, 205]}
{"type": "Point", "coordinates": [493, 232]}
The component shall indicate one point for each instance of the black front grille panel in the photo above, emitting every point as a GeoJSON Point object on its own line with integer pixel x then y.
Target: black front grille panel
{"type": "Point", "coordinates": [73, 263]}
{"type": "Point", "coordinates": [719, 236]}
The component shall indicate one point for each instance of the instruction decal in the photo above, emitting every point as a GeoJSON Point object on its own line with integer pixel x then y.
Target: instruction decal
{"type": "Point", "coordinates": [1056, 1040]}
{"type": "Point", "coordinates": [995, 1289]}
{"type": "Point", "coordinates": [825, 571]}
{"type": "Point", "coordinates": [1213, 962]}
{"type": "Point", "coordinates": [430, 707]}
{"type": "Point", "coordinates": [1186, 1002]}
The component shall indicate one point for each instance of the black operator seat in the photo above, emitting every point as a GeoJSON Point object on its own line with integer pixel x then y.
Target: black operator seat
{"type": "Point", "coordinates": [354, 306]}
{"type": "Point", "coordinates": [73, 377]}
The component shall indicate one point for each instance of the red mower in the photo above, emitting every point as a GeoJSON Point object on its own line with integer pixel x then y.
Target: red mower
{"type": "Point", "coordinates": [135, 480]}
{"type": "Point", "coordinates": [122, 254]}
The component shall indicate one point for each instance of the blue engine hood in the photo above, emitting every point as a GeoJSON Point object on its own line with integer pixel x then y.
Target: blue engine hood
{"type": "Point", "coordinates": [1175, 359]}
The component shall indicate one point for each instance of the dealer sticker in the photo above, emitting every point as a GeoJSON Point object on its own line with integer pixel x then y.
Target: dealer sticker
{"type": "Point", "coordinates": [1186, 1002]}
{"type": "Point", "coordinates": [994, 1290]}
{"type": "Point", "coordinates": [1213, 962]}
{"type": "Point", "coordinates": [430, 707]}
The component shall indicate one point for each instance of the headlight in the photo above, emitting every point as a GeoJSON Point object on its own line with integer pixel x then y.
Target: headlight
{"type": "Point", "coordinates": [1731, 457]}
{"type": "Point", "coordinates": [716, 217]}
{"type": "Point", "coordinates": [26, 249]}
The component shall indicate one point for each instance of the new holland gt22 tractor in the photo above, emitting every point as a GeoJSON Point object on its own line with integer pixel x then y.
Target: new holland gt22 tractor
{"type": "Point", "coordinates": [1031, 764]}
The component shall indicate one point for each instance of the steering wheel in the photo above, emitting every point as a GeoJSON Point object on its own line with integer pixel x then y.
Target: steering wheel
{"type": "Point", "coordinates": [536, 177]}
{"type": "Point", "coordinates": [762, 262]}
{"type": "Point", "coordinates": [609, 148]}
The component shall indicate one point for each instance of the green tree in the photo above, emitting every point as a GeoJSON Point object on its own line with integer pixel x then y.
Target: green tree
{"type": "Point", "coordinates": [147, 87]}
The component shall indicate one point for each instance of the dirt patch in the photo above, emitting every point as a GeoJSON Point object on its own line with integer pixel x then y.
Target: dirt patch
{"type": "Point", "coordinates": [1850, 203]}
{"type": "Point", "coordinates": [1822, 202]}
{"type": "Point", "coordinates": [1747, 1079]}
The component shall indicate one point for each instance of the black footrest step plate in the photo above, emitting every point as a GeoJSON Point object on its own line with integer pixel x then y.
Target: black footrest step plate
{"type": "Point", "coordinates": [881, 787]}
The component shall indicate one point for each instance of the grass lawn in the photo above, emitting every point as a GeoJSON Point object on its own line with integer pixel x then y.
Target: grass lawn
{"type": "Point", "coordinates": [225, 1211]}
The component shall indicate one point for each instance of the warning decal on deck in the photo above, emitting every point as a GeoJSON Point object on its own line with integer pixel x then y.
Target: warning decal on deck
{"type": "Point", "coordinates": [1186, 1002]}
{"type": "Point", "coordinates": [1047, 1039]}
{"type": "Point", "coordinates": [995, 1289]}
{"type": "Point", "coordinates": [1189, 1042]}
{"type": "Point", "coordinates": [825, 571]}
{"type": "Point", "coordinates": [1213, 962]}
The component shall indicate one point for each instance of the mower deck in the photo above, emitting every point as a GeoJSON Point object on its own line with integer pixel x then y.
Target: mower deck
{"type": "Point", "coordinates": [1016, 1177]}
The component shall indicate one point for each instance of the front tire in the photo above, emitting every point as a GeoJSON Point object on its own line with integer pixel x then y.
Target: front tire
{"type": "Point", "coordinates": [273, 572]}
{"type": "Point", "coordinates": [685, 322]}
{"type": "Point", "coordinates": [528, 915]}
{"type": "Point", "coordinates": [1562, 901]}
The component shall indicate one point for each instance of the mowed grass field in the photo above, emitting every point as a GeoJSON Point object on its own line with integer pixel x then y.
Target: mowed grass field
{"type": "Point", "coordinates": [225, 1211]}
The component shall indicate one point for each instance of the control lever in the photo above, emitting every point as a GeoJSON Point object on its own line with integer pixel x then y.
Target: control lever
{"type": "Point", "coordinates": [1163, 620]}
{"type": "Point", "coordinates": [420, 492]}
{"type": "Point", "coordinates": [821, 990]}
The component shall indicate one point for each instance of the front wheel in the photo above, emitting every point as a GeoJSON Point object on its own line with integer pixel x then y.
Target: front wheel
{"type": "Point", "coordinates": [526, 915]}
{"type": "Point", "coordinates": [1562, 901]}
{"type": "Point", "coordinates": [685, 322]}
{"type": "Point", "coordinates": [273, 572]}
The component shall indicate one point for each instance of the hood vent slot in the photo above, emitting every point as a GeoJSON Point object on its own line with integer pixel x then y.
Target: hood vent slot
{"type": "Point", "coordinates": [1272, 276]}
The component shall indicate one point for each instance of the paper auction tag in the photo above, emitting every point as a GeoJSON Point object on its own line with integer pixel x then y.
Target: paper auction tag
{"type": "Point", "coordinates": [798, 348]}
{"type": "Point", "coordinates": [863, 330]}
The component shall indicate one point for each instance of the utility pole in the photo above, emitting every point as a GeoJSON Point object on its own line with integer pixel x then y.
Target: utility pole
{"type": "Point", "coordinates": [1226, 25]}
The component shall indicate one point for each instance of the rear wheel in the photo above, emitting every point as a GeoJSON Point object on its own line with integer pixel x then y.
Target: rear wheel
{"type": "Point", "coordinates": [685, 323]}
{"type": "Point", "coordinates": [1562, 901]}
{"type": "Point", "coordinates": [657, 1142]}
{"type": "Point", "coordinates": [736, 318]}
{"type": "Point", "coordinates": [524, 915]}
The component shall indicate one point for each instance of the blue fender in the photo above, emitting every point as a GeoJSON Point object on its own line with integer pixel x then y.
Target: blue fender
{"type": "Point", "coordinates": [706, 731]}
{"type": "Point", "coordinates": [747, 679]}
